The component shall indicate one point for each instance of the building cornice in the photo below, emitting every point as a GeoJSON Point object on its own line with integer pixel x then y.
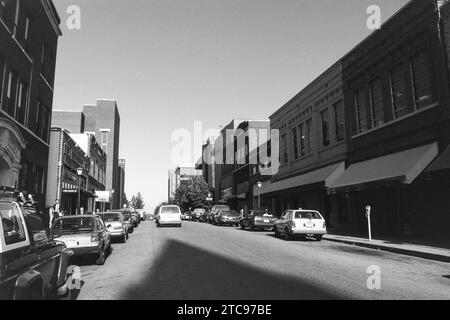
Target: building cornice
{"type": "Point", "coordinates": [52, 15]}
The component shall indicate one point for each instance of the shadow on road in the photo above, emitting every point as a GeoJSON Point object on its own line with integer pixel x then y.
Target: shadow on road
{"type": "Point", "coordinates": [187, 272]}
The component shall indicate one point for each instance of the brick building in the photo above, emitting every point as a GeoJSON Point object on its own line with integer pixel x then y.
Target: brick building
{"type": "Point", "coordinates": [29, 32]}
{"type": "Point", "coordinates": [397, 99]}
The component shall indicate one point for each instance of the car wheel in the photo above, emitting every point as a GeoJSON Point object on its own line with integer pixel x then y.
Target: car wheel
{"type": "Point", "coordinates": [277, 234]}
{"type": "Point", "coordinates": [101, 258]}
{"type": "Point", "coordinates": [287, 235]}
{"type": "Point", "coordinates": [318, 237]}
{"type": "Point", "coordinates": [252, 227]}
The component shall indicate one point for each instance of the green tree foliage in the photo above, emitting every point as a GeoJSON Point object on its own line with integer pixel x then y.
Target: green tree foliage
{"type": "Point", "coordinates": [137, 201]}
{"type": "Point", "coordinates": [192, 193]}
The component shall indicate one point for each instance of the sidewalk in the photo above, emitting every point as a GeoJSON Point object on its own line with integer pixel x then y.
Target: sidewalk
{"type": "Point", "coordinates": [438, 253]}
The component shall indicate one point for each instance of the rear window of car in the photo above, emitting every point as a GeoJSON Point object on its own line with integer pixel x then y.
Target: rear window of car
{"type": "Point", "coordinates": [12, 224]}
{"type": "Point", "coordinates": [307, 215]}
{"type": "Point", "coordinates": [221, 207]}
{"type": "Point", "coordinates": [262, 213]}
{"type": "Point", "coordinates": [229, 213]}
{"type": "Point", "coordinates": [73, 226]}
{"type": "Point", "coordinates": [170, 210]}
{"type": "Point", "coordinates": [108, 217]}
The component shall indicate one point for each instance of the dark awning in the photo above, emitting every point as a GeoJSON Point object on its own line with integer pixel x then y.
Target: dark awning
{"type": "Point", "coordinates": [398, 168]}
{"type": "Point", "coordinates": [326, 175]}
{"type": "Point", "coordinates": [442, 162]}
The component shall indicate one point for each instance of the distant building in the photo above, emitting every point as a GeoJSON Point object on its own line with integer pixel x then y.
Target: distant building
{"type": "Point", "coordinates": [103, 120]}
{"type": "Point", "coordinates": [180, 175]}
{"type": "Point", "coordinates": [66, 157]}
{"type": "Point", "coordinates": [97, 169]}
{"type": "Point", "coordinates": [72, 121]}
{"type": "Point", "coordinates": [29, 32]}
{"type": "Point", "coordinates": [123, 196]}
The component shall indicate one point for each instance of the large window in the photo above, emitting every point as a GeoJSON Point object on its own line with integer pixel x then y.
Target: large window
{"type": "Point", "coordinates": [376, 102]}
{"type": "Point", "coordinates": [361, 111]}
{"type": "Point", "coordinates": [283, 148]}
{"type": "Point", "coordinates": [7, 10]}
{"type": "Point", "coordinates": [2, 80]}
{"type": "Point", "coordinates": [325, 127]}
{"type": "Point", "coordinates": [295, 142]}
{"type": "Point", "coordinates": [21, 102]}
{"type": "Point", "coordinates": [309, 136]}
{"type": "Point", "coordinates": [398, 92]}
{"type": "Point", "coordinates": [339, 124]}
{"type": "Point", "coordinates": [11, 89]}
{"type": "Point", "coordinates": [301, 129]}
{"type": "Point", "coordinates": [421, 80]}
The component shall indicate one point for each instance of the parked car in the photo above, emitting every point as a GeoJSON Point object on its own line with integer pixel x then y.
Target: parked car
{"type": "Point", "coordinates": [258, 220]}
{"type": "Point", "coordinates": [186, 216]}
{"type": "Point", "coordinates": [141, 214]}
{"type": "Point", "coordinates": [300, 223]}
{"type": "Point", "coordinates": [228, 217]}
{"type": "Point", "coordinates": [215, 210]}
{"type": "Point", "coordinates": [209, 217]}
{"type": "Point", "coordinates": [198, 214]}
{"type": "Point", "coordinates": [131, 219]}
{"type": "Point", "coordinates": [32, 264]}
{"type": "Point", "coordinates": [136, 218]}
{"type": "Point", "coordinates": [116, 224]}
{"type": "Point", "coordinates": [86, 235]}
{"type": "Point", "coordinates": [169, 215]}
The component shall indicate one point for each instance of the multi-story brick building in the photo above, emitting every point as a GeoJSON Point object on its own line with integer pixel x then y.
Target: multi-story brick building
{"type": "Point", "coordinates": [66, 157]}
{"type": "Point", "coordinates": [397, 98]}
{"type": "Point", "coordinates": [123, 196]}
{"type": "Point", "coordinates": [312, 147]}
{"type": "Point", "coordinates": [29, 32]}
{"type": "Point", "coordinates": [103, 120]}
{"type": "Point", "coordinates": [97, 168]}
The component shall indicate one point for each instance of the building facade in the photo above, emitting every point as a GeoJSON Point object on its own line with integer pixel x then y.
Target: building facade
{"type": "Point", "coordinates": [312, 147]}
{"type": "Point", "coordinates": [123, 196]}
{"type": "Point", "coordinates": [29, 32]}
{"type": "Point", "coordinates": [103, 120]}
{"type": "Point", "coordinates": [97, 167]}
{"type": "Point", "coordinates": [72, 121]}
{"type": "Point", "coordinates": [396, 90]}
{"type": "Point", "coordinates": [65, 187]}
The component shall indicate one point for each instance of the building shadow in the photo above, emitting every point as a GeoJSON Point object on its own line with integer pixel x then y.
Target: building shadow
{"type": "Point", "coordinates": [186, 272]}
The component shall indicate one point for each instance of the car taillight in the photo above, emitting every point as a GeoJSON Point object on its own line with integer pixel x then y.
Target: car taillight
{"type": "Point", "coordinates": [94, 237]}
{"type": "Point", "coordinates": [324, 225]}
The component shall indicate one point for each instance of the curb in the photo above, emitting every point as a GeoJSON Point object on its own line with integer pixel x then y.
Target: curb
{"type": "Point", "coordinates": [413, 253]}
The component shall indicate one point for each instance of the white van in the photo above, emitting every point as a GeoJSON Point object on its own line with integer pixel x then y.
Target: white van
{"type": "Point", "coordinates": [169, 215]}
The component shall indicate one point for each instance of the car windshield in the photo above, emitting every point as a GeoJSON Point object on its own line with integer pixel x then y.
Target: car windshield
{"type": "Point", "coordinates": [108, 217]}
{"type": "Point", "coordinates": [262, 213]}
{"type": "Point", "coordinates": [222, 207]}
{"type": "Point", "coordinates": [307, 215]}
{"type": "Point", "coordinates": [73, 225]}
{"type": "Point", "coordinates": [229, 213]}
{"type": "Point", "coordinates": [170, 210]}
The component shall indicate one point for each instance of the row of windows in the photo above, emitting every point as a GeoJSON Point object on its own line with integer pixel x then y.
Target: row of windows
{"type": "Point", "coordinates": [14, 93]}
{"type": "Point", "coordinates": [302, 135]}
{"type": "Point", "coordinates": [17, 18]}
{"type": "Point", "coordinates": [415, 80]}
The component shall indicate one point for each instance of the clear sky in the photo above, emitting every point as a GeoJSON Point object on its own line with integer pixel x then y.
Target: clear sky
{"type": "Point", "coordinates": [171, 62]}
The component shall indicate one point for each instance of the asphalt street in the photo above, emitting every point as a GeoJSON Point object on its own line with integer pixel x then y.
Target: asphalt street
{"type": "Point", "coordinates": [202, 261]}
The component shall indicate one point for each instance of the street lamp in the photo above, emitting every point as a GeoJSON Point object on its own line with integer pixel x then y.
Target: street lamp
{"type": "Point", "coordinates": [259, 184]}
{"type": "Point", "coordinates": [79, 173]}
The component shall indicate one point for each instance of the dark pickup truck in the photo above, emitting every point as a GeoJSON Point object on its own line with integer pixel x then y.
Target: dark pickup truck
{"type": "Point", "coordinates": [32, 265]}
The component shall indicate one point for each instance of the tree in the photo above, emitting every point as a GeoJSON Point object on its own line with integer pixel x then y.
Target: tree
{"type": "Point", "coordinates": [192, 193]}
{"type": "Point", "coordinates": [137, 201]}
